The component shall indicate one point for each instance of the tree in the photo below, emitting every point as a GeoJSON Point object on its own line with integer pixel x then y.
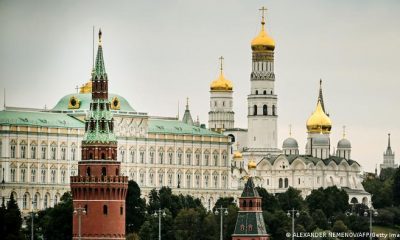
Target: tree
{"type": "Point", "coordinates": [330, 200]}
{"type": "Point", "coordinates": [339, 226]}
{"type": "Point", "coordinates": [291, 199]}
{"type": "Point", "coordinates": [320, 219]}
{"type": "Point", "coordinates": [277, 224]}
{"type": "Point", "coordinates": [269, 201]}
{"type": "Point", "coordinates": [135, 208]}
{"type": "Point", "coordinates": [387, 173]}
{"type": "Point", "coordinates": [187, 225]}
{"type": "Point", "coordinates": [13, 221]}
{"type": "Point", "coordinates": [3, 211]}
{"type": "Point", "coordinates": [396, 187]}
{"type": "Point", "coordinates": [306, 221]}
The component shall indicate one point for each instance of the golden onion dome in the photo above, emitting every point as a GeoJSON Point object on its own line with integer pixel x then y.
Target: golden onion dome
{"type": "Point", "coordinates": [86, 88]}
{"type": "Point", "coordinates": [221, 83]}
{"type": "Point", "coordinates": [237, 156]}
{"type": "Point", "coordinates": [263, 41]}
{"type": "Point", "coordinates": [252, 164]}
{"type": "Point", "coordinates": [319, 122]}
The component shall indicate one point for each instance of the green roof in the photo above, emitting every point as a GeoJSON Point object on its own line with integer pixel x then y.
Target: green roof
{"type": "Point", "coordinates": [85, 99]}
{"type": "Point", "coordinates": [250, 189]}
{"type": "Point", "coordinates": [42, 119]}
{"type": "Point", "coordinates": [164, 126]}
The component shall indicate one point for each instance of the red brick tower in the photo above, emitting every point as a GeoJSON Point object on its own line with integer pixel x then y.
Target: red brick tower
{"type": "Point", "coordinates": [99, 191]}
{"type": "Point", "coordinates": [250, 222]}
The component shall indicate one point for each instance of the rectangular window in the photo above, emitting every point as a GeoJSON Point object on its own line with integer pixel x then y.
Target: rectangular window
{"type": "Point", "coordinates": [43, 153]}
{"type": "Point", "coordinates": [33, 152]}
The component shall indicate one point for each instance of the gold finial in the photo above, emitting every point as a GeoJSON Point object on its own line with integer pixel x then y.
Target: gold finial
{"type": "Point", "coordinates": [263, 10]}
{"type": "Point", "coordinates": [344, 131]}
{"type": "Point", "coordinates": [290, 130]}
{"type": "Point", "coordinates": [221, 62]}
{"type": "Point", "coordinates": [100, 33]}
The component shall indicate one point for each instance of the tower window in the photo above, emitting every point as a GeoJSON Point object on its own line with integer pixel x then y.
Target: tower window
{"type": "Point", "coordinates": [256, 92]}
{"type": "Point", "coordinates": [273, 110]}
{"type": "Point", "coordinates": [121, 210]}
{"type": "Point", "coordinates": [103, 171]}
{"type": "Point", "coordinates": [265, 92]}
{"type": "Point", "coordinates": [88, 171]}
{"type": "Point", "coordinates": [117, 172]}
{"type": "Point", "coordinates": [280, 183]}
{"type": "Point", "coordinates": [255, 110]}
{"type": "Point", "coordinates": [265, 110]}
{"type": "Point", "coordinates": [105, 209]}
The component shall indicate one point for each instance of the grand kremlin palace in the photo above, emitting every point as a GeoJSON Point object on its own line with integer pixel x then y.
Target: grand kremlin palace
{"type": "Point", "coordinates": [40, 148]}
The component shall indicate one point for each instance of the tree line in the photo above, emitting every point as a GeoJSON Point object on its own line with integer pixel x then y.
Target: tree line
{"type": "Point", "coordinates": [184, 217]}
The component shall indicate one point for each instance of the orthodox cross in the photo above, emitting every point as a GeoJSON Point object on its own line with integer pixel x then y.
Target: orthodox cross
{"type": "Point", "coordinates": [263, 10]}
{"type": "Point", "coordinates": [221, 62]}
{"type": "Point", "coordinates": [76, 88]}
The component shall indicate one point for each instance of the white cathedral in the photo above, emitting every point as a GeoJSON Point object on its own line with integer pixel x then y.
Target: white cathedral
{"type": "Point", "coordinates": [40, 148]}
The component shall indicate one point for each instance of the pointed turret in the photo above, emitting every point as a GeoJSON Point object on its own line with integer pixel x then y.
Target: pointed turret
{"type": "Point", "coordinates": [389, 148]}
{"type": "Point", "coordinates": [187, 117]}
{"type": "Point", "coordinates": [320, 97]}
{"type": "Point", "coordinates": [250, 222]}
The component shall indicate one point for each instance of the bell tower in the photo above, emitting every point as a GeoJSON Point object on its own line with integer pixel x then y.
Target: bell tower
{"type": "Point", "coordinates": [99, 190]}
{"type": "Point", "coordinates": [262, 101]}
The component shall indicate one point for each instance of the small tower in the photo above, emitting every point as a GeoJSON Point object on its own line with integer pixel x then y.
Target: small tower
{"type": "Point", "coordinates": [187, 117]}
{"type": "Point", "coordinates": [221, 115]}
{"type": "Point", "coordinates": [99, 188]}
{"type": "Point", "coordinates": [388, 157]}
{"type": "Point", "coordinates": [344, 147]}
{"type": "Point", "coordinates": [319, 126]}
{"type": "Point", "coordinates": [250, 222]}
{"type": "Point", "coordinates": [262, 114]}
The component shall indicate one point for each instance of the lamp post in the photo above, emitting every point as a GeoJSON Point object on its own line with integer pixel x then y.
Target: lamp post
{"type": "Point", "coordinates": [79, 211]}
{"type": "Point", "coordinates": [293, 213]}
{"type": "Point", "coordinates": [160, 213]}
{"type": "Point", "coordinates": [370, 211]}
{"type": "Point", "coordinates": [225, 212]}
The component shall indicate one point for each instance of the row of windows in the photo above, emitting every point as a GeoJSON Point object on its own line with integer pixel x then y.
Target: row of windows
{"type": "Point", "coordinates": [40, 177]}
{"type": "Point", "coordinates": [37, 202]}
{"type": "Point", "coordinates": [43, 154]}
{"type": "Point", "coordinates": [186, 159]}
{"type": "Point", "coordinates": [208, 181]}
{"type": "Point", "coordinates": [264, 110]}
{"type": "Point", "coordinates": [222, 104]}
{"type": "Point", "coordinates": [264, 92]}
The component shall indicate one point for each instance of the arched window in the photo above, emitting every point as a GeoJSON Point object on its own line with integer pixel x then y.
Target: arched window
{"type": "Point", "coordinates": [244, 203]}
{"type": "Point", "coordinates": [88, 171]}
{"type": "Point", "coordinates": [255, 110]}
{"type": "Point", "coordinates": [117, 172]}
{"type": "Point", "coordinates": [90, 156]}
{"type": "Point", "coordinates": [280, 183]}
{"type": "Point", "coordinates": [103, 171]}
{"type": "Point", "coordinates": [103, 156]}
{"type": "Point", "coordinates": [273, 110]}
{"type": "Point", "coordinates": [265, 92]}
{"type": "Point", "coordinates": [256, 92]}
{"type": "Point", "coordinates": [265, 110]}
{"type": "Point", "coordinates": [251, 203]}
{"type": "Point", "coordinates": [286, 182]}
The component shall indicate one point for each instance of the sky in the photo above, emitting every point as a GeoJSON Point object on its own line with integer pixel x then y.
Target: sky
{"type": "Point", "coordinates": [159, 52]}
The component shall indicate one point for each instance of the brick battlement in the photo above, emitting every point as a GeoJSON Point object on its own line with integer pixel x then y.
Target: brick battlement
{"type": "Point", "coordinates": [103, 179]}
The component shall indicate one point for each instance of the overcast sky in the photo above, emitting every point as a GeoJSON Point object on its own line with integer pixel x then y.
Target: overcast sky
{"type": "Point", "coordinates": [160, 52]}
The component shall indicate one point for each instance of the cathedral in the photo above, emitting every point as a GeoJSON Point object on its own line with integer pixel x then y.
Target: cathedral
{"type": "Point", "coordinates": [40, 148]}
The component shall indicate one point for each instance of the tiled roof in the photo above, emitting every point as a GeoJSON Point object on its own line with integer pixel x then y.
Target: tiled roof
{"type": "Point", "coordinates": [164, 126]}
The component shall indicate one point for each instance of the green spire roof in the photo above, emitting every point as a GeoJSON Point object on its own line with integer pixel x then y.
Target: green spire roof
{"type": "Point", "coordinates": [187, 117]}
{"type": "Point", "coordinates": [250, 189]}
{"type": "Point", "coordinates": [99, 71]}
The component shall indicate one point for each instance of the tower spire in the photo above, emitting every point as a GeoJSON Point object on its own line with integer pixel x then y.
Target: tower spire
{"type": "Point", "coordinates": [99, 69]}
{"type": "Point", "coordinates": [320, 96]}
{"type": "Point", "coordinates": [389, 141]}
{"type": "Point", "coordinates": [290, 130]}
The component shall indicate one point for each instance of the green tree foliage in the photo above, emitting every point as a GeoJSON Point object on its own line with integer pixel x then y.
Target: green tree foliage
{"type": "Point", "coordinates": [320, 219]}
{"type": "Point", "coordinates": [387, 173]}
{"type": "Point", "coordinates": [269, 202]}
{"type": "Point", "coordinates": [339, 226]}
{"type": "Point", "coordinates": [291, 199]}
{"type": "Point", "coordinates": [396, 188]}
{"type": "Point", "coordinates": [135, 208]}
{"type": "Point", "coordinates": [54, 223]}
{"type": "Point", "coordinates": [3, 212]}
{"type": "Point", "coordinates": [13, 221]}
{"type": "Point", "coordinates": [188, 224]}
{"type": "Point", "coordinates": [277, 223]}
{"type": "Point", "coordinates": [381, 190]}
{"type": "Point", "coordinates": [330, 200]}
